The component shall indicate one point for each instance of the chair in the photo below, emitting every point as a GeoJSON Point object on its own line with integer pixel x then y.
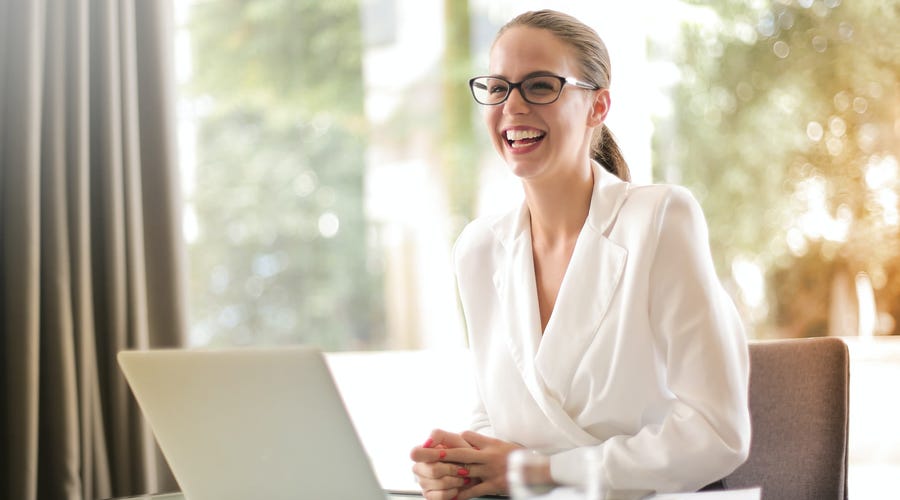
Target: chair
{"type": "Point", "coordinates": [799, 414]}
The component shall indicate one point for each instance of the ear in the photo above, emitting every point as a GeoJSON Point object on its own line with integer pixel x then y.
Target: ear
{"type": "Point", "coordinates": [599, 108]}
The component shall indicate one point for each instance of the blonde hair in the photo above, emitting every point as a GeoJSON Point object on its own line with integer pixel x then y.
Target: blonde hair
{"type": "Point", "coordinates": [595, 67]}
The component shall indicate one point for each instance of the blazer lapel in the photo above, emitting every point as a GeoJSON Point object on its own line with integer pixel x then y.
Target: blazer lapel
{"type": "Point", "coordinates": [547, 363]}
{"type": "Point", "coordinates": [516, 288]}
{"type": "Point", "coordinates": [515, 284]}
{"type": "Point", "coordinates": [583, 301]}
{"type": "Point", "coordinates": [590, 282]}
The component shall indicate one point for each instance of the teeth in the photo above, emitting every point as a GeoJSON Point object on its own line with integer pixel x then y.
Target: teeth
{"type": "Point", "coordinates": [518, 135]}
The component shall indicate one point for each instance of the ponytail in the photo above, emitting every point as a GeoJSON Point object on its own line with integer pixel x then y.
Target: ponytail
{"type": "Point", "coordinates": [607, 153]}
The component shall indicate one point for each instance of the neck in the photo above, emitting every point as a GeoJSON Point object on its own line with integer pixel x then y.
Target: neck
{"type": "Point", "coordinates": [559, 206]}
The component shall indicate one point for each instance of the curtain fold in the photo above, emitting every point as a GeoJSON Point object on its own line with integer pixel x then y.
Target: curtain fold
{"type": "Point", "coordinates": [19, 268]}
{"type": "Point", "coordinates": [91, 256]}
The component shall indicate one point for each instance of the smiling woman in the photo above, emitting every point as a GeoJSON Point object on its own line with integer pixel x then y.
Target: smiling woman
{"type": "Point", "coordinates": [599, 330]}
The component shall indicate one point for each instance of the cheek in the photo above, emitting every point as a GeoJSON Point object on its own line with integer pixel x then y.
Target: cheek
{"type": "Point", "coordinates": [572, 119]}
{"type": "Point", "coordinates": [491, 117]}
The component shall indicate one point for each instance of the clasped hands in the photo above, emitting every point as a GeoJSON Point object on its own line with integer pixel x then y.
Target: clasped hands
{"type": "Point", "coordinates": [451, 466]}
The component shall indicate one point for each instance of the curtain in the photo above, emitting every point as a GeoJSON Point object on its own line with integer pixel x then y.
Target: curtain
{"type": "Point", "coordinates": [91, 255]}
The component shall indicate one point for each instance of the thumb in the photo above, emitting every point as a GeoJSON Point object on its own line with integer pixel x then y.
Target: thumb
{"type": "Point", "coordinates": [440, 437]}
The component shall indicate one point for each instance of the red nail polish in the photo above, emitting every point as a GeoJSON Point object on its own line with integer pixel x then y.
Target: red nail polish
{"type": "Point", "coordinates": [462, 472]}
{"type": "Point", "coordinates": [467, 481]}
{"type": "Point", "coordinates": [428, 443]}
{"type": "Point", "coordinates": [443, 454]}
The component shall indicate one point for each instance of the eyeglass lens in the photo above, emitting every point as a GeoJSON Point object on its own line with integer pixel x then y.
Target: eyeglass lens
{"type": "Point", "coordinates": [536, 90]}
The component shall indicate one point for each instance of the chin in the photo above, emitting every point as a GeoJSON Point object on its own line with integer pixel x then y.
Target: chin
{"type": "Point", "coordinates": [523, 169]}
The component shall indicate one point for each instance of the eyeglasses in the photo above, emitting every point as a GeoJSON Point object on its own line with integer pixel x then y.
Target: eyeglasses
{"type": "Point", "coordinates": [542, 89]}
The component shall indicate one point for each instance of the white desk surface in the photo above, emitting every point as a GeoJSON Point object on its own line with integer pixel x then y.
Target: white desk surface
{"type": "Point", "coordinates": [557, 494]}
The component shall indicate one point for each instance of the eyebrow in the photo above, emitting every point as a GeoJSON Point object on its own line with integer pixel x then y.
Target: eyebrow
{"type": "Point", "coordinates": [529, 75]}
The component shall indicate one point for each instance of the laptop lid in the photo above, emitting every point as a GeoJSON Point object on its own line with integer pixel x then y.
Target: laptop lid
{"type": "Point", "coordinates": [264, 423]}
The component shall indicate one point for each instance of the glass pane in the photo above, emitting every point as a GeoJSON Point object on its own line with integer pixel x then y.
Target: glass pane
{"type": "Point", "coordinates": [282, 251]}
{"type": "Point", "coordinates": [332, 153]}
{"type": "Point", "coordinates": [783, 122]}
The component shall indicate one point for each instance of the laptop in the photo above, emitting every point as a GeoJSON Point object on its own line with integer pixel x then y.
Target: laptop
{"type": "Point", "coordinates": [244, 423]}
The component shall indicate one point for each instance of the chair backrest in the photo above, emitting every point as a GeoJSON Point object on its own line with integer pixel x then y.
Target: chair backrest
{"type": "Point", "coordinates": [799, 391]}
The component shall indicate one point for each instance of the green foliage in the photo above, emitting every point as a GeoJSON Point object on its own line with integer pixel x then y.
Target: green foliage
{"type": "Point", "coordinates": [459, 146]}
{"type": "Point", "coordinates": [288, 57]}
{"type": "Point", "coordinates": [774, 97]}
{"type": "Point", "coordinates": [280, 165]}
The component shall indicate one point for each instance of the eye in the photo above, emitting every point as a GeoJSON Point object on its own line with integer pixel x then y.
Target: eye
{"type": "Point", "coordinates": [498, 88]}
{"type": "Point", "coordinates": [542, 86]}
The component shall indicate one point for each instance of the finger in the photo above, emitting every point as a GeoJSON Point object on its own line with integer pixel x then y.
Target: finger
{"type": "Point", "coordinates": [463, 456]}
{"type": "Point", "coordinates": [478, 490]}
{"type": "Point", "coordinates": [448, 439]}
{"type": "Point", "coordinates": [436, 470]}
{"type": "Point", "coordinates": [477, 440]}
{"type": "Point", "coordinates": [468, 471]}
{"type": "Point", "coordinates": [444, 483]}
{"type": "Point", "coordinates": [420, 454]}
{"type": "Point", "coordinates": [441, 494]}
{"type": "Point", "coordinates": [472, 471]}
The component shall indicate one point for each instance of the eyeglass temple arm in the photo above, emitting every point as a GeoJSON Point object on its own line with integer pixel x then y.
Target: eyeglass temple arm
{"type": "Point", "coordinates": [577, 83]}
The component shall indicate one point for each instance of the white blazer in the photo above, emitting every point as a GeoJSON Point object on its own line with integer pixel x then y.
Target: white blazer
{"type": "Point", "coordinates": [643, 362]}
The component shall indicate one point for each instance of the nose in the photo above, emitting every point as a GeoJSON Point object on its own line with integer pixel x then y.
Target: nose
{"type": "Point", "coordinates": [515, 103]}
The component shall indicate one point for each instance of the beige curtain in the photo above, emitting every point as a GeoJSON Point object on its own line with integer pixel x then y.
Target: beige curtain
{"type": "Point", "coordinates": [91, 259]}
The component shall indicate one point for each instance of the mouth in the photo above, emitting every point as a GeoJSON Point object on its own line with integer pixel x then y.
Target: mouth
{"type": "Point", "coordinates": [523, 138]}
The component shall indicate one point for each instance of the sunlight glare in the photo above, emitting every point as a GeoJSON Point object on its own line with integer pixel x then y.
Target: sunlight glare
{"type": "Point", "coordinates": [749, 277]}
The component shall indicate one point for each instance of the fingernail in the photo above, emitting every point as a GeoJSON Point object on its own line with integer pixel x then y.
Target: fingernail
{"type": "Point", "coordinates": [443, 454]}
{"type": "Point", "coordinates": [428, 443]}
{"type": "Point", "coordinates": [462, 472]}
{"type": "Point", "coordinates": [466, 481]}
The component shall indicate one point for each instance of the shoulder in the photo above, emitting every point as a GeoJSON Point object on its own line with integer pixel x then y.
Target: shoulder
{"type": "Point", "coordinates": [480, 238]}
{"type": "Point", "coordinates": [662, 194]}
{"type": "Point", "coordinates": [476, 235]}
{"type": "Point", "coordinates": [660, 202]}
{"type": "Point", "coordinates": [655, 212]}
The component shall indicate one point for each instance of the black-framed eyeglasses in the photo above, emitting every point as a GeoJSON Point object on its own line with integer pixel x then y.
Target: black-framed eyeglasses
{"type": "Point", "coordinates": [541, 89]}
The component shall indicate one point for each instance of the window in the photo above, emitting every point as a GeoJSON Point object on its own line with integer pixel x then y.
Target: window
{"type": "Point", "coordinates": [325, 183]}
{"type": "Point", "coordinates": [332, 154]}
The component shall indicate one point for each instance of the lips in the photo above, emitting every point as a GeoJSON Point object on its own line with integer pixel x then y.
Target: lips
{"type": "Point", "coordinates": [519, 138]}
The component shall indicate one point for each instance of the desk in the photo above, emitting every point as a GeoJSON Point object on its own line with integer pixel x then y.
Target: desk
{"type": "Point", "coordinates": [558, 494]}
{"type": "Point", "coordinates": [179, 496]}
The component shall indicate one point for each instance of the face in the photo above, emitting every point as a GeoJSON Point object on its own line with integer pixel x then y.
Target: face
{"type": "Point", "coordinates": [537, 140]}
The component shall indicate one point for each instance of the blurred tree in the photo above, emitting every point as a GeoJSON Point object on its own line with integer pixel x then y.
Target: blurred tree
{"type": "Point", "coordinates": [281, 254]}
{"type": "Point", "coordinates": [787, 127]}
{"type": "Point", "coordinates": [459, 159]}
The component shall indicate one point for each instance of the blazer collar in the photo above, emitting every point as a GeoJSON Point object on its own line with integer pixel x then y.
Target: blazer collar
{"type": "Point", "coordinates": [606, 199]}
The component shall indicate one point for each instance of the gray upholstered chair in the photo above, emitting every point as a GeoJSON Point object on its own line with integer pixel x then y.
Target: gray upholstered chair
{"type": "Point", "coordinates": [799, 412]}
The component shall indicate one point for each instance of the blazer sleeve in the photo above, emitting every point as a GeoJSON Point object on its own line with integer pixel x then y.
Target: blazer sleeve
{"type": "Point", "coordinates": [704, 433]}
{"type": "Point", "coordinates": [481, 423]}
{"type": "Point", "coordinates": [472, 240]}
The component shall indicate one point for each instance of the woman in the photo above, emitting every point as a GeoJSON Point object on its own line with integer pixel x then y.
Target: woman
{"type": "Point", "coordinates": [595, 317]}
